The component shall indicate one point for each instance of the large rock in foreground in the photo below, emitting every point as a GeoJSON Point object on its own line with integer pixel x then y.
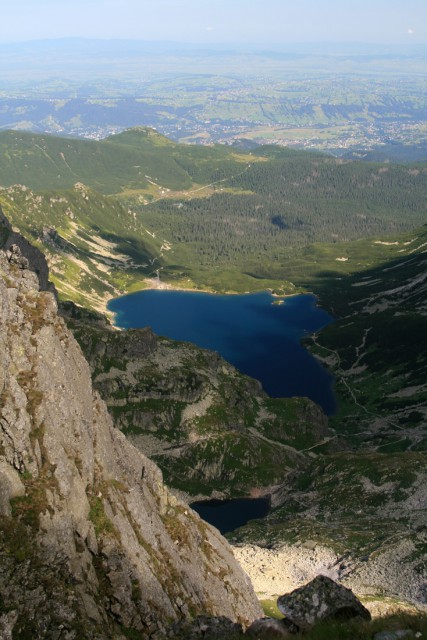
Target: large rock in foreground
{"type": "Point", "coordinates": [92, 544]}
{"type": "Point", "coordinates": [320, 599]}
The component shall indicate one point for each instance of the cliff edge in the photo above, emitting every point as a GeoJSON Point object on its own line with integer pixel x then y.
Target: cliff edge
{"type": "Point", "coordinates": [92, 544]}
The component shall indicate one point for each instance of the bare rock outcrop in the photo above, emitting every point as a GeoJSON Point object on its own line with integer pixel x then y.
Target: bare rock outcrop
{"type": "Point", "coordinates": [321, 599]}
{"type": "Point", "coordinates": [18, 248]}
{"type": "Point", "coordinates": [91, 542]}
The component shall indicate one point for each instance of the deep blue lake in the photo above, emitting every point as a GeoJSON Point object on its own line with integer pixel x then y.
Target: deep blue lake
{"type": "Point", "coordinates": [227, 515]}
{"type": "Point", "coordinates": [260, 338]}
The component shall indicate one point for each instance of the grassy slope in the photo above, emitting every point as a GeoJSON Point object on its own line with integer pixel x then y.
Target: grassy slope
{"type": "Point", "coordinates": [354, 502]}
{"type": "Point", "coordinates": [233, 221]}
{"type": "Point", "coordinates": [368, 499]}
{"type": "Point", "coordinates": [132, 160]}
{"type": "Point", "coordinates": [95, 246]}
{"type": "Point", "coordinates": [376, 351]}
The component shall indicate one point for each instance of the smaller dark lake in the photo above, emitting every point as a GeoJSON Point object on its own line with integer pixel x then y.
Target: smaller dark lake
{"type": "Point", "coordinates": [227, 515]}
{"type": "Point", "coordinates": [258, 336]}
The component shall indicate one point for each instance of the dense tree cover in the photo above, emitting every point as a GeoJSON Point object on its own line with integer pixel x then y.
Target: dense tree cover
{"type": "Point", "coordinates": [260, 214]}
{"type": "Point", "coordinates": [293, 200]}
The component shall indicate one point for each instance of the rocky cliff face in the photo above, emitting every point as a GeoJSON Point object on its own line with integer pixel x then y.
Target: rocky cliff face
{"type": "Point", "coordinates": [211, 429]}
{"type": "Point", "coordinates": [36, 260]}
{"type": "Point", "coordinates": [92, 545]}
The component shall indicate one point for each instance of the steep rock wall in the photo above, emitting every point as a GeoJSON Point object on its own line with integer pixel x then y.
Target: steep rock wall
{"type": "Point", "coordinates": [91, 542]}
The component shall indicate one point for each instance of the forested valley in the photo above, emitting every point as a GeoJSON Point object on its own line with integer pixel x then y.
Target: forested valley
{"type": "Point", "coordinates": [291, 201]}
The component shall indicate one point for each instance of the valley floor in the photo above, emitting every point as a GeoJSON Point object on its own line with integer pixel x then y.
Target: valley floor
{"type": "Point", "coordinates": [279, 570]}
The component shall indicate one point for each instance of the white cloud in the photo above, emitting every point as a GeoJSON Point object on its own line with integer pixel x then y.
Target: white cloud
{"type": "Point", "coordinates": [411, 31]}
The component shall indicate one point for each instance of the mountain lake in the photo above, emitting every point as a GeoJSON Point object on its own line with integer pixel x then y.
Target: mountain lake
{"type": "Point", "coordinates": [258, 333]}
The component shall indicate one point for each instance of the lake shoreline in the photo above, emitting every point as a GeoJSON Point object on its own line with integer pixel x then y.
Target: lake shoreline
{"type": "Point", "coordinates": [156, 285]}
{"type": "Point", "coordinates": [261, 338]}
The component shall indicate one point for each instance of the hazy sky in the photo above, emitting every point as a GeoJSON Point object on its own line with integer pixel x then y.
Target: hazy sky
{"type": "Point", "coordinates": [239, 21]}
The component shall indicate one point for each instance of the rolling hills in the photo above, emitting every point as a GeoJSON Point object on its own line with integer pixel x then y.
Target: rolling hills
{"type": "Point", "coordinates": [138, 159]}
{"type": "Point", "coordinates": [201, 217]}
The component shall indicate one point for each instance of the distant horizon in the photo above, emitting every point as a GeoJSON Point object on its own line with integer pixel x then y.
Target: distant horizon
{"type": "Point", "coordinates": [220, 44]}
{"type": "Point", "coordinates": [388, 22]}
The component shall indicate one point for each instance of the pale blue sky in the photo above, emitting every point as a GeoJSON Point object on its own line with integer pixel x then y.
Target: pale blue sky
{"type": "Point", "coordinates": [238, 21]}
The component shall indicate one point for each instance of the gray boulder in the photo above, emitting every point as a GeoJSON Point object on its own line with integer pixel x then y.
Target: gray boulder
{"type": "Point", "coordinates": [271, 628]}
{"type": "Point", "coordinates": [320, 599]}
